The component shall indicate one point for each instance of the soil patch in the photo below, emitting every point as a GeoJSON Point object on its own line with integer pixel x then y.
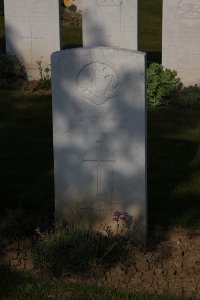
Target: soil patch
{"type": "Point", "coordinates": [170, 265]}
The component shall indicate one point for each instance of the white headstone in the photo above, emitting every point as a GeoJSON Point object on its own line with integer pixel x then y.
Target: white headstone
{"type": "Point", "coordinates": [99, 131]}
{"type": "Point", "coordinates": [110, 23]}
{"type": "Point", "coordinates": [32, 32]}
{"type": "Point", "coordinates": [78, 4]}
{"type": "Point", "coordinates": [181, 39]}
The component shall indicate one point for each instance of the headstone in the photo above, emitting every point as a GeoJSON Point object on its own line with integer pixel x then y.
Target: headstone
{"type": "Point", "coordinates": [110, 23]}
{"type": "Point", "coordinates": [78, 4]}
{"type": "Point", "coordinates": [181, 39]}
{"type": "Point", "coordinates": [99, 131]}
{"type": "Point", "coordinates": [32, 32]}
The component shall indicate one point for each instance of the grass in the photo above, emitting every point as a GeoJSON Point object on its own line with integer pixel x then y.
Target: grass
{"type": "Point", "coordinates": [71, 37]}
{"type": "Point", "coordinates": [173, 167]}
{"type": "Point", "coordinates": [16, 286]}
{"type": "Point", "coordinates": [150, 28]}
{"type": "Point", "coordinates": [26, 152]}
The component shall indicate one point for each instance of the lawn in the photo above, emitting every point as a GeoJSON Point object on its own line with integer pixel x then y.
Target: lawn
{"type": "Point", "coordinates": [16, 286]}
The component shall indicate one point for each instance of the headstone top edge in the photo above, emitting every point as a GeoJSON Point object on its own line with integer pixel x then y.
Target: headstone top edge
{"type": "Point", "coordinates": [82, 49]}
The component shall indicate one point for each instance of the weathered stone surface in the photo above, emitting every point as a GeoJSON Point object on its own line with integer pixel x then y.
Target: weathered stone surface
{"type": "Point", "coordinates": [99, 128]}
{"type": "Point", "coordinates": [32, 32]}
{"type": "Point", "coordinates": [181, 39]}
{"type": "Point", "coordinates": [112, 23]}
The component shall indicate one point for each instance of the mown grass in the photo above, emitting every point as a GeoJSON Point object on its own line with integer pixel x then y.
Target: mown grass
{"type": "Point", "coordinates": [16, 286]}
{"type": "Point", "coordinates": [26, 152]}
{"type": "Point", "coordinates": [71, 37]}
{"type": "Point", "coordinates": [173, 167]}
{"type": "Point", "coordinates": [150, 26]}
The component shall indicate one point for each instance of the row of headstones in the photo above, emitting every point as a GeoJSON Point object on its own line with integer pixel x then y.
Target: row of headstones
{"type": "Point", "coordinates": [33, 31]}
{"type": "Point", "coordinates": [99, 107]}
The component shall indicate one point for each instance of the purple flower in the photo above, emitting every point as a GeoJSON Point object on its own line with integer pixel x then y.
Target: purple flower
{"type": "Point", "coordinates": [117, 216]}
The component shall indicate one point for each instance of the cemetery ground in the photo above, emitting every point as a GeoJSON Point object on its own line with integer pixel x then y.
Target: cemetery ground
{"type": "Point", "coordinates": [170, 265]}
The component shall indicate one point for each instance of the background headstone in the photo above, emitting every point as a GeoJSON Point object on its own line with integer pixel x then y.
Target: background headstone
{"type": "Point", "coordinates": [111, 23]}
{"type": "Point", "coordinates": [32, 32]}
{"type": "Point", "coordinates": [181, 39]}
{"type": "Point", "coordinates": [99, 130]}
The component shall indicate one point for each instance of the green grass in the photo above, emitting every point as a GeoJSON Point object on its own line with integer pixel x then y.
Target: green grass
{"type": "Point", "coordinates": [150, 29]}
{"type": "Point", "coordinates": [26, 152]}
{"type": "Point", "coordinates": [173, 167]}
{"type": "Point", "coordinates": [16, 286]}
{"type": "Point", "coordinates": [71, 37]}
{"type": "Point", "coordinates": [150, 25]}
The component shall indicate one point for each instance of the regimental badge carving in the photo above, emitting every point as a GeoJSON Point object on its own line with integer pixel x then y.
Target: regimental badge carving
{"type": "Point", "coordinates": [109, 2]}
{"type": "Point", "coordinates": [98, 82]}
{"type": "Point", "coordinates": [189, 9]}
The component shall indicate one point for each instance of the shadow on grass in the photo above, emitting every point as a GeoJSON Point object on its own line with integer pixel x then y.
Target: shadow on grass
{"type": "Point", "coordinates": [169, 166]}
{"type": "Point", "coordinates": [173, 181]}
{"type": "Point", "coordinates": [26, 170]}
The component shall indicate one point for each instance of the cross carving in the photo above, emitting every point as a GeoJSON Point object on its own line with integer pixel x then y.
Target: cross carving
{"type": "Point", "coordinates": [99, 162]}
{"type": "Point", "coordinates": [32, 38]}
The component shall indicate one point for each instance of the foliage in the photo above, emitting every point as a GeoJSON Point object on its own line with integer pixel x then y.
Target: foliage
{"type": "Point", "coordinates": [161, 84]}
{"type": "Point", "coordinates": [11, 67]}
{"type": "Point", "coordinates": [77, 248]}
{"type": "Point", "coordinates": [12, 72]}
{"type": "Point", "coordinates": [188, 97]}
{"type": "Point", "coordinates": [45, 79]}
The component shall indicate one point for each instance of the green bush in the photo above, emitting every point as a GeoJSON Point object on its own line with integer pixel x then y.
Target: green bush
{"type": "Point", "coordinates": [188, 97]}
{"type": "Point", "coordinates": [77, 248]}
{"type": "Point", "coordinates": [12, 72]}
{"type": "Point", "coordinates": [11, 67]}
{"type": "Point", "coordinates": [161, 84]}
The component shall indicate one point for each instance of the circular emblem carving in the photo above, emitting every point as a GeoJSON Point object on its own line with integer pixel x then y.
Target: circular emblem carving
{"type": "Point", "coordinates": [98, 82]}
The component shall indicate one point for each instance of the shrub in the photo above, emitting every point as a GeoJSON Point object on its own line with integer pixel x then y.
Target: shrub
{"type": "Point", "coordinates": [11, 67]}
{"type": "Point", "coordinates": [161, 84]}
{"type": "Point", "coordinates": [188, 97]}
{"type": "Point", "coordinates": [76, 248]}
{"type": "Point", "coordinates": [12, 72]}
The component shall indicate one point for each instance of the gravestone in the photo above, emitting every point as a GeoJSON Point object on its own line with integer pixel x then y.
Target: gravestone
{"type": "Point", "coordinates": [99, 135]}
{"type": "Point", "coordinates": [110, 23]}
{"type": "Point", "coordinates": [181, 39]}
{"type": "Point", "coordinates": [32, 32]}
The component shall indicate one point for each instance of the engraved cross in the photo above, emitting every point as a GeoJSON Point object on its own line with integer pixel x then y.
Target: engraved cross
{"type": "Point", "coordinates": [99, 162]}
{"type": "Point", "coordinates": [32, 38]}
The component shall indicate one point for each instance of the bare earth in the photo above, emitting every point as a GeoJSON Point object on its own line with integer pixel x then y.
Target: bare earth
{"type": "Point", "coordinates": [170, 265]}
